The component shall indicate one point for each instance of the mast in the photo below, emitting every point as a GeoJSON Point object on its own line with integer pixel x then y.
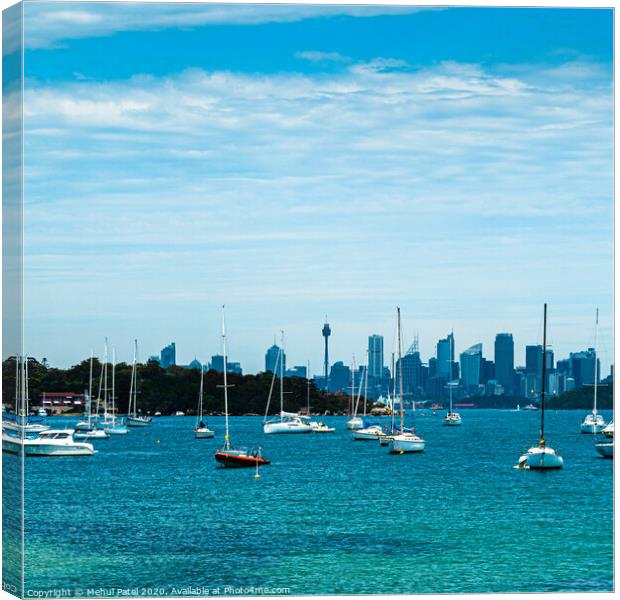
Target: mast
{"type": "Point", "coordinates": [17, 385]}
{"type": "Point", "coordinates": [105, 382]}
{"type": "Point", "coordinates": [544, 371]}
{"type": "Point", "coordinates": [353, 406]}
{"type": "Point", "coordinates": [226, 436]}
{"type": "Point", "coordinates": [308, 386]}
{"type": "Point", "coordinates": [366, 383]}
{"type": "Point", "coordinates": [26, 386]}
{"type": "Point", "coordinates": [113, 387]}
{"type": "Point", "coordinates": [400, 377]}
{"type": "Point", "coordinates": [281, 374]}
{"type": "Point", "coordinates": [202, 370]}
{"type": "Point", "coordinates": [90, 387]}
{"type": "Point", "coordinates": [393, 391]}
{"type": "Point", "coordinates": [450, 361]}
{"type": "Point", "coordinates": [595, 366]}
{"type": "Point", "coordinates": [132, 385]}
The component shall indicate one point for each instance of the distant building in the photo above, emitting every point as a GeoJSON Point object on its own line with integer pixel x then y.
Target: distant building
{"type": "Point", "coordinates": [195, 364]}
{"type": "Point", "coordinates": [533, 370]}
{"type": "Point", "coordinates": [412, 376]}
{"type": "Point", "coordinates": [487, 371]}
{"type": "Point", "coordinates": [217, 364]}
{"type": "Point", "coordinates": [582, 367]}
{"type": "Point", "coordinates": [445, 355]}
{"type": "Point", "coordinates": [375, 356]}
{"type": "Point", "coordinates": [297, 371]}
{"type": "Point", "coordinates": [154, 359]}
{"type": "Point", "coordinates": [505, 361]}
{"type": "Point", "coordinates": [471, 361]}
{"type": "Point", "coordinates": [169, 356]}
{"type": "Point", "coordinates": [339, 378]}
{"type": "Point", "coordinates": [271, 359]}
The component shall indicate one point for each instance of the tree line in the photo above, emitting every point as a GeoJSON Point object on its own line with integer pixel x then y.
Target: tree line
{"type": "Point", "coordinates": [173, 389]}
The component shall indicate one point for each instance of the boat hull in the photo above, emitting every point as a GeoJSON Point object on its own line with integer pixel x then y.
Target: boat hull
{"type": "Point", "coordinates": [605, 449]}
{"type": "Point", "coordinates": [401, 444]}
{"type": "Point", "coordinates": [122, 430]}
{"type": "Point", "coordinates": [361, 435]}
{"type": "Point", "coordinates": [95, 434]}
{"type": "Point", "coordinates": [203, 433]}
{"type": "Point", "coordinates": [539, 458]}
{"type": "Point", "coordinates": [131, 422]}
{"type": "Point", "coordinates": [234, 460]}
{"type": "Point", "coordinates": [16, 446]}
{"type": "Point", "coordinates": [592, 427]}
{"type": "Point", "coordinates": [284, 427]}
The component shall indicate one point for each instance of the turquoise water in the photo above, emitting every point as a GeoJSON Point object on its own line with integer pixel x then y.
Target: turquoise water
{"type": "Point", "coordinates": [328, 516]}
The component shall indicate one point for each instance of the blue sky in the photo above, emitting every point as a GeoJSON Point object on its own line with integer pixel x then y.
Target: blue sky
{"type": "Point", "coordinates": [296, 161]}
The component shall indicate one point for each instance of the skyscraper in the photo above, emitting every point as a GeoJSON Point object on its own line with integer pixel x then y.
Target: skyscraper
{"type": "Point", "coordinates": [470, 366]}
{"type": "Point", "coordinates": [375, 356]}
{"type": "Point", "coordinates": [168, 356]}
{"type": "Point", "coordinates": [533, 370]}
{"type": "Point", "coordinates": [505, 361]}
{"type": "Point", "coordinates": [582, 367]}
{"type": "Point", "coordinates": [445, 354]}
{"type": "Point", "coordinates": [271, 359]}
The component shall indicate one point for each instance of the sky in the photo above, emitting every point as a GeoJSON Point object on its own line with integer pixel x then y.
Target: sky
{"type": "Point", "coordinates": [295, 162]}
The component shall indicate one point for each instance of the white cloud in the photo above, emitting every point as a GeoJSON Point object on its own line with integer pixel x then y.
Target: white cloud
{"type": "Point", "coordinates": [318, 56]}
{"type": "Point", "coordinates": [291, 192]}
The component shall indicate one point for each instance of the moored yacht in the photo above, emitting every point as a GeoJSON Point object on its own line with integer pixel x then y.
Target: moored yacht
{"type": "Point", "coordinates": [404, 440]}
{"type": "Point", "coordinates": [201, 430]}
{"type": "Point", "coordinates": [541, 456]}
{"type": "Point", "coordinates": [594, 423]}
{"type": "Point", "coordinates": [452, 418]}
{"type": "Point", "coordinates": [53, 442]}
{"type": "Point", "coordinates": [605, 445]}
{"type": "Point", "coordinates": [134, 417]}
{"type": "Point", "coordinates": [370, 431]}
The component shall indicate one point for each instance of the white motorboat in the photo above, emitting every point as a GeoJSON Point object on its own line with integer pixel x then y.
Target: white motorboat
{"type": "Point", "coordinates": [452, 418]}
{"type": "Point", "coordinates": [541, 456]}
{"type": "Point", "coordinates": [369, 432]}
{"type": "Point", "coordinates": [320, 427]}
{"type": "Point", "coordinates": [53, 442]}
{"type": "Point", "coordinates": [530, 407]}
{"type": "Point", "coordinates": [201, 431]}
{"type": "Point", "coordinates": [594, 423]}
{"type": "Point", "coordinates": [287, 422]}
{"type": "Point", "coordinates": [134, 417]}
{"type": "Point", "coordinates": [404, 441]}
{"type": "Point", "coordinates": [605, 447]}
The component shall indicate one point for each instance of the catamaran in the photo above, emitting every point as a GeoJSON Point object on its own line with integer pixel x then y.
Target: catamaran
{"type": "Point", "coordinates": [287, 422]}
{"type": "Point", "coordinates": [594, 423]}
{"type": "Point", "coordinates": [541, 456]}
{"type": "Point", "coordinates": [404, 440]}
{"type": "Point", "coordinates": [230, 456]}
{"type": "Point", "coordinates": [452, 418]}
{"type": "Point", "coordinates": [201, 431]}
{"type": "Point", "coordinates": [134, 417]}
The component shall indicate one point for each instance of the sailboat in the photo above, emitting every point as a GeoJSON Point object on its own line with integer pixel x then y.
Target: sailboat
{"type": "Point", "coordinates": [317, 426]}
{"type": "Point", "coordinates": [370, 431]}
{"type": "Point", "coordinates": [112, 425]}
{"type": "Point", "coordinates": [605, 446]}
{"type": "Point", "coordinates": [541, 456]}
{"type": "Point", "coordinates": [19, 423]}
{"type": "Point", "coordinates": [594, 423]}
{"type": "Point", "coordinates": [386, 438]}
{"type": "Point", "coordinates": [287, 422]}
{"type": "Point", "coordinates": [134, 417]}
{"type": "Point", "coordinates": [405, 440]}
{"type": "Point", "coordinates": [452, 418]}
{"type": "Point", "coordinates": [88, 430]}
{"type": "Point", "coordinates": [354, 422]}
{"type": "Point", "coordinates": [201, 431]}
{"type": "Point", "coordinates": [229, 456]}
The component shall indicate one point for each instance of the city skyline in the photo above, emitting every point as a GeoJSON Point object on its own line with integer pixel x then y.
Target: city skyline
{"type": "Point", "coordinates": [310, 160]}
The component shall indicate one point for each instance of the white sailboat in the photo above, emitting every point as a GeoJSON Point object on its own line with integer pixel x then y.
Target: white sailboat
{"type": "Point", "coordinates": [201, 431]}
{"type": "Point", "coordinates": [541, 456]}
{"type": "Point", "coordinates": [452, 418]}
{"type": "Point", "coordinates": [88, 430]}
{"type": "Point", "coordinates": [229, 456]}
{"type": "Point", "coordinates": [112, 424]}
{"type": "Point", "coordinates": [19, 424]}
{"type": "Point", "coordinates": [287, 422]}
{"type": "Point", "coordinates": [317, 426]}
{"type": "Point", "coordinates": [605, 446]}
{"type": "Point", "coordinates": [593, 422]}
{"type": "Point", "coordinates": [369, 431]}
{"type": "Point", "coordinates": [386, 438]}
{"type": "Point", "coordinates": [354, 422]}
{"type": "Point", "coordinates": [134, 417]}
{"type": "Point", "coordinates": [404, 440]}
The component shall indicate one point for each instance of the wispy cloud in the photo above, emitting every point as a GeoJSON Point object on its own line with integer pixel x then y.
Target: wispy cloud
{"type": "Point", "coordinates": [49, 23]}
{"type": "Point", "coordinates": [458, 189]}
{"type": "Point", "coordinates": [322, 57]}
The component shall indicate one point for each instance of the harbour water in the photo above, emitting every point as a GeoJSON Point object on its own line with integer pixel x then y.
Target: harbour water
{"type": "Point", "coordinates": [152, 515]}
